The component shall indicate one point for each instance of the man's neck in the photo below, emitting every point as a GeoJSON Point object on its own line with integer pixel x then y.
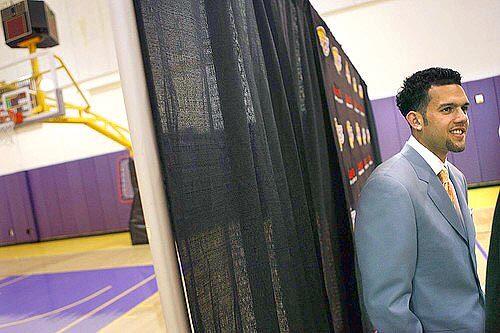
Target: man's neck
{"type": "Point", "coordinates": [440, 155]}
{"type": "Point", "coordinates": [432, 159]}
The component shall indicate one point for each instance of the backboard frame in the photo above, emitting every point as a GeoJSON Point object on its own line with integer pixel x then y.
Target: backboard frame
{"type": "Point", "coordinates": [24, 85]}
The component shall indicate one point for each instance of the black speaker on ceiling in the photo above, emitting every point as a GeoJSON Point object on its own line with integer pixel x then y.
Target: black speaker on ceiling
{"type": "Point", "coordinates": [29, 19]}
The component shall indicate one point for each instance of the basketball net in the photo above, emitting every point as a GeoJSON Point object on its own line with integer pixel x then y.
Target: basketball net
{"type": "Point", "coordinates": [7, 124]}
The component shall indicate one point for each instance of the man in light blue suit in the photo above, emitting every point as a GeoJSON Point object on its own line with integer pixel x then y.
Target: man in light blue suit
{"type": "Point", "coordinates": [414, 232]}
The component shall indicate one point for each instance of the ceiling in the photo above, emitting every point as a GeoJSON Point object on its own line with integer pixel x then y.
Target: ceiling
{"type": "Point", "coordinates": [322, 6]}
{"type": "Point", "coordinates": [326, 7]}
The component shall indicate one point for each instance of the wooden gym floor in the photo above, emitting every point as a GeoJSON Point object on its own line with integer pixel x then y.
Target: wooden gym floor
{"type": "Point", "coordinates": [104, 284]}
{"type": "Point", "coordinates": [109, 257]}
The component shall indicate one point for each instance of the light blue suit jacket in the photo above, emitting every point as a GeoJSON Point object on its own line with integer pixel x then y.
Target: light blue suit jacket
{"type": "Point", "coordinates": [415, 254]}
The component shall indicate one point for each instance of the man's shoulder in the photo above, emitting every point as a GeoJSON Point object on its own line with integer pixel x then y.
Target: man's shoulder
{"type": "Point", "coordinates": [397, 167]}
{"type": "Point", "coordinates": [390, 185]}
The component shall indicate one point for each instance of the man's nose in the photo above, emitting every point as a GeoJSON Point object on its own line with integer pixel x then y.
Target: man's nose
{"type": "Point", "coordinates": [461, 116]}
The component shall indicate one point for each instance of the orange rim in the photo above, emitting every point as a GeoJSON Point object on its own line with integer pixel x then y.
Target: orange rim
{"type": "Point", "coordinates": [17, 117]}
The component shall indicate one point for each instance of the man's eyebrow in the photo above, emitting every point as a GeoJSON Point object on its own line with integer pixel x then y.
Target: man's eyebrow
{"type": "Point", "coordinates": [453, 104]}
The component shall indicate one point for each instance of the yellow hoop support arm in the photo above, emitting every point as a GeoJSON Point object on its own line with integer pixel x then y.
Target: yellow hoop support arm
{"type": "Point", "coordinates": [106, 127]}
{"type": "Point", "coordinates": [98, 123]}
{"type": "Point", "coordinates": [77, 86]}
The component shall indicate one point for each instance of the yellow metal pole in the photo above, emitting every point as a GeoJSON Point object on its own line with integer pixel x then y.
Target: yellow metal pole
{"type": "Point", "coordinates": [72, 79]}
{"type": "Point", "coordinates": [115, 135]}
{"type": "Point", "coordinates": [119, 139]}
{"type": "Point", "coordinates": [100, 124]}
{"type": "Point", "coordinates": [85, 116]}
{"type": "Point", "coordinates": [35, 67]}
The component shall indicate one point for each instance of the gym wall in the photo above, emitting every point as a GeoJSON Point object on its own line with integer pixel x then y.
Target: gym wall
{"type": "Point", "coordinates": [86, 46]}
{"type": "Point", "coordinates": [389, 39]}
{"type": "Point", "coordinates": [62, 180]}
{"type": "Point", "coordinates": [77, 198]}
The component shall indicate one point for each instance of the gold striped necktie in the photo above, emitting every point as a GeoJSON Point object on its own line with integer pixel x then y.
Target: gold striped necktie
{"type": "Point", "coordinates": [448, 186]}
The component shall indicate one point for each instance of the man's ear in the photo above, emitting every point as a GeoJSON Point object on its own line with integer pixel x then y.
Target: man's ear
{"type": "Point", "coordinates": [415, 119]}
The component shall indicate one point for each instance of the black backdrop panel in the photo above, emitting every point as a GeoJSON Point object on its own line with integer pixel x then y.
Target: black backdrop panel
{"type": "Point", "coordinates": [349, 109]}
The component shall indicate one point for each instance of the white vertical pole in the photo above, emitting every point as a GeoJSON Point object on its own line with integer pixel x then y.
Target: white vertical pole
{"type": "Point", "coordinates": [147, 165]}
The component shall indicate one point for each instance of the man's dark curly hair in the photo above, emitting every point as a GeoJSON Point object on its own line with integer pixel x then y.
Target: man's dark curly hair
{"type": "Point", "coordinates": [413, 95]}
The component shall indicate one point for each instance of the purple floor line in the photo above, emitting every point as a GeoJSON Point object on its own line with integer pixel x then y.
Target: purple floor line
{"type": "Point", "coordinates": [11, 280]}
{"type": "Point", "coordinates": [483, 252]}
{"type": "Point", "coordinates": [38, 294]}
{"type": "Point", "coordinates": [8, 278]}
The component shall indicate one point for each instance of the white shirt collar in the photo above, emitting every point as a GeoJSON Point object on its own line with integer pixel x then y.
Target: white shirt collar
{"type": "Point", "coordinates": [434, 162]}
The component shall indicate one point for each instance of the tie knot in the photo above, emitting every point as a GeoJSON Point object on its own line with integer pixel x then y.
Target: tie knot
{"type": "Point", "coordinates": [443, 176]}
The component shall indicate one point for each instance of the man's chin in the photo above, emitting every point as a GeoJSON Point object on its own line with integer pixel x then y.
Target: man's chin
{"type": "Point", "coordinates": [455, 148]}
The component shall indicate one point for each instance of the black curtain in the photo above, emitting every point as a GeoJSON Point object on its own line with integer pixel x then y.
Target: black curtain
{"type": "Point", "coordinates": [249, 165]}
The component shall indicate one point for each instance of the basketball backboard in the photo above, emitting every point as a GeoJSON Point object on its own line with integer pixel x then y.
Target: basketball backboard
{"type": "Point", "coordinates": [28, 95]}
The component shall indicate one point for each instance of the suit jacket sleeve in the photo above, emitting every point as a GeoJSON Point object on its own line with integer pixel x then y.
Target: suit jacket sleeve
{"type": "Point", "coordinates": [386, 246]}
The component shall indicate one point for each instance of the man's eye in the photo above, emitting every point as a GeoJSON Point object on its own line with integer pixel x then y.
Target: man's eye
{"type": "Point", "coordinates": [465, 108]}
{"type": "Point", "coordinates": [447, 109]}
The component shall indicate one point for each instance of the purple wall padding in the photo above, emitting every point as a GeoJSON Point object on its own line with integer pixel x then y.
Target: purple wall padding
{"type": "Point", "coordinates": [79, 198]}
{"type": "Point", "coordinates": [384, 113]}
{"type": "Point", "coordinates": [403, 127]}
{"type": "Point", "coordinates": [479, 162]}
{"type": "Point", "coordinates": [16, 216]}
{"type": "Point", "coordinates": [485, 118]}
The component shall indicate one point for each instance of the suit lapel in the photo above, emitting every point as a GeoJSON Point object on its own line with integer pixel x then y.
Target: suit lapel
{"type": "Point", "coordinates": [435, 190]}
{"type": "Point", "coordinates": [461, 198]}
{"type": "Point", "coordinates": [468, 223]}
{"type": "Point", "coordinates": [438, 195]}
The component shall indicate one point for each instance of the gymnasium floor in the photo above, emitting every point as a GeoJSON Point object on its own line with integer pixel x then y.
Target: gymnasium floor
{"type": "Point", "coordinates": [104, 284]}
{"type": "Point", "coordinates": [89, 284]}
{"type": "Point", "coordinates": [483, 201]}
